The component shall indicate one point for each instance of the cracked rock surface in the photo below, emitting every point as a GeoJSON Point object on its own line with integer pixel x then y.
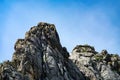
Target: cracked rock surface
{"type": "Point", "coordinates": [94, 65]}
{"type": "Point", "coordinates": [40, 56]}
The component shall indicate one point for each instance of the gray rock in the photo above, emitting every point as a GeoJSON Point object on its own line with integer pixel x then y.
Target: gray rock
{"type": "Point", "coordinates": [40, 56]}
{"type": "Point", "coordinates": [96, 66]}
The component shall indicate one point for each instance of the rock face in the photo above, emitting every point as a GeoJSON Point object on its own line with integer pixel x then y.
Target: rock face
{"type": "Point", "coordinates": [94, 65]}
{"type": "Point", "coordinates": [40, 56]}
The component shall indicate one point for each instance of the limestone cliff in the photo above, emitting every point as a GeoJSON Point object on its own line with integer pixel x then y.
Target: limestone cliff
{"type": "Point", "coordinates": [40, 56]}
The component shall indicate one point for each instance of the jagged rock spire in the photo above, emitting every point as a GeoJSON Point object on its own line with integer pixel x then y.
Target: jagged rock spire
{"type": "Point", "coordinates": [40, 56]}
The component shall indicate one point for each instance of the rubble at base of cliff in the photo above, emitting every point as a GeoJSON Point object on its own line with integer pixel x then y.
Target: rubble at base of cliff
{"type": "Point", "coordinates": [40, 56]}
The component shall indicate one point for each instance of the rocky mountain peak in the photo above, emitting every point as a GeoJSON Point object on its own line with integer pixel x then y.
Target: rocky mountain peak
{"type": "Point", "coordinates": [40, 56]}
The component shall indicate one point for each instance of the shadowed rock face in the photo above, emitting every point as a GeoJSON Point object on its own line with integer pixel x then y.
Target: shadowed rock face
{"type": "Point", "coordinates": [40, 56]}
{"type": "Point", "coordinates": [94, 65]}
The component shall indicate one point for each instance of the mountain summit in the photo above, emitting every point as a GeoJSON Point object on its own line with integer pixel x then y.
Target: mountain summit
{"type": "Point", "coordinates": [40, 56]}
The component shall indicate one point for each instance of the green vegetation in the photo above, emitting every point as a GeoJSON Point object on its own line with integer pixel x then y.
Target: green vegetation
{"type": "Point", "coordinates": [98, 57]}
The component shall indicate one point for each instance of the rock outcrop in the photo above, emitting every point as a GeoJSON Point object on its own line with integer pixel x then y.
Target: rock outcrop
{"type": "Point", "coordinates": [40, 56]}
{"type": "Point", "coordinates": [94, 65]}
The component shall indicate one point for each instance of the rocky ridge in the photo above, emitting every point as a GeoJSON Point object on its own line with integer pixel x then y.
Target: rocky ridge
{"type": "Point", "coordinates": [94, 65]}
{"type": "Point", "coordinates": [40, 56]}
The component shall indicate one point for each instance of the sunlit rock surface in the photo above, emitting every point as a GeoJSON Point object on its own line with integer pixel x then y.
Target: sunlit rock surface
{"type": "Point", "coordinates": [94, 65]}
{"type": "Point", "coordinates": [40, 56]}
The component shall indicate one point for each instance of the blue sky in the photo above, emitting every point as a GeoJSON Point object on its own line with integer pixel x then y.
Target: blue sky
{"type": "Point", "coordinates": [94, 22]}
